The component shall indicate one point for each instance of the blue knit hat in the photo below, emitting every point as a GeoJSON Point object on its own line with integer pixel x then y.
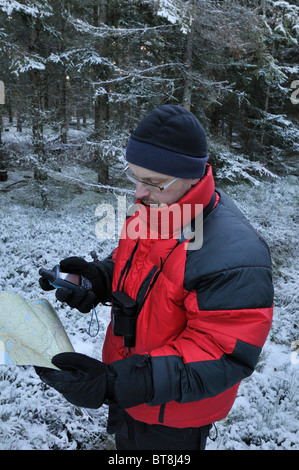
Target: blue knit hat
{"type": "Point", "coordinates": [169, 140]}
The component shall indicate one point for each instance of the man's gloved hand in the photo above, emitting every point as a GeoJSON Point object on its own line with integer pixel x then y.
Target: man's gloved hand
{"type": "Point", "coordinates": [82, 380]}
{"type": "Point", "coordinates": [87, 382]}
{"type": "Point", "coordinates": [81, 298]}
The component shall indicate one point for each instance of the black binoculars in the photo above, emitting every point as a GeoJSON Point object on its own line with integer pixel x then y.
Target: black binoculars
{"type": "Point", "coordinates": [124, 317]}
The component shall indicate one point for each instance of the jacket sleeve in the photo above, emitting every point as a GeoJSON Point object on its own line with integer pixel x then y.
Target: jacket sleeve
{"type": "Point", "coordinates": [217, 349]}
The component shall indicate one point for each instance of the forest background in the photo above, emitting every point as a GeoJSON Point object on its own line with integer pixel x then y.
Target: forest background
{"type": "Point", "coordinates": [76, 77]}
{"type": "Point", "coordinates": [104, 64]}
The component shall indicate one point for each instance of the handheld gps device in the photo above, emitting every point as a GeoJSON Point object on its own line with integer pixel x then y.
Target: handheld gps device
{"type": "Point", "coordinates": [59, 279]}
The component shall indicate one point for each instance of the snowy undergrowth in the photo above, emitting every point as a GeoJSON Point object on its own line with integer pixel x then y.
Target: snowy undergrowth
{"type": "Point", "coordinates": [35, 234]}
{"type": "Point", "coordinates": [31, 415]}
{"type": "Point", "coordinates": [265, 415]}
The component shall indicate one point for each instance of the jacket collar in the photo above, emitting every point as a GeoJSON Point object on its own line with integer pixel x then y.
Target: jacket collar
{"type": "Point", "coordinates": [168, 221]}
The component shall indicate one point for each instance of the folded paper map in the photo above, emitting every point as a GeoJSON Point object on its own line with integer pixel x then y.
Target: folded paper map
{"type": "Point", "coordinates": [30, 332]}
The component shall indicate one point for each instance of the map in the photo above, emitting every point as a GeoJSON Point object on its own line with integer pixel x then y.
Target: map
{"type": "Point", "coordinates": [31, 332]}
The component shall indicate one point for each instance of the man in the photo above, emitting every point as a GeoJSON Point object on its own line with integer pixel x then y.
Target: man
{"type": "Point", "coordinates": [188, 322]}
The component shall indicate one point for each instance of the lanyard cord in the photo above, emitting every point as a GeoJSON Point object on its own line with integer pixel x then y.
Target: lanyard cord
{"type": "Point", "coordinates": [94, 317]}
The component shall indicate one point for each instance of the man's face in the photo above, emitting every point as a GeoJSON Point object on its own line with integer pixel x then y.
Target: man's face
{"type": "Point", "coordinates": [152, 195]}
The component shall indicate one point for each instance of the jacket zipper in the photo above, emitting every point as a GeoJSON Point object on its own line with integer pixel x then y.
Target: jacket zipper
{"type": "Point", "coordinates": [127, 268]}
{"type": "Point", "coordinates": [162, 413]}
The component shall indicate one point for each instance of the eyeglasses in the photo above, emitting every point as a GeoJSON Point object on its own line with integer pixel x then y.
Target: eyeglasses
{"type": "Point", "coordinates": [150, 186]}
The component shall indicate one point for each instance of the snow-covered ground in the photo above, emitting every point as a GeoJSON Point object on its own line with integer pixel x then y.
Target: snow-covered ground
{"type": "Point", "coordinates": [42, 225]}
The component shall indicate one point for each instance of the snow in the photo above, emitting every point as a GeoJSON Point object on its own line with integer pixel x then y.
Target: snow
{"type": "Point", "coordinates": [39, 232]}
{"type": "Point", "coordinates": [24, 64]}
{"type": "Point", "coordinates": [175, 13]}
{"type": "Point", "coordinates": [9, 6]}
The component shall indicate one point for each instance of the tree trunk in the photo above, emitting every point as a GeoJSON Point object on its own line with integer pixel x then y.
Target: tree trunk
{"type": "Point", "coordinates": [19, 118]}
{"type": "Point", "coordinates": [37, 123]}
{"type": "Point", "coordinates": [266, 111]}
{"type": "Point", "coordinates": [188, 81]}
{"type": "Point", "coordinates": [63, 110]}
{"type": "Point", "coordinates": [64, 81]}
{"type": "Point", "coordinates": [1, 130]}
{"type": "Point", "coordinates": [101, 114]}
{"type": "Point", "coordinates": [188, 72]}
{"type": "Point", "coordinates": [3, 172]}
{"type": "Point", "coordinates": [101, 104]}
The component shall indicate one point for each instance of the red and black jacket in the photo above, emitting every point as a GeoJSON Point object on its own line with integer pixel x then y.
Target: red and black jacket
{"type": "Point", "coordinates": [204, 314]}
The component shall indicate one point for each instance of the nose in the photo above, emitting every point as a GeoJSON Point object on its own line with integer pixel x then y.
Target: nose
{"type": "Point", "coordinates": [142, 191]}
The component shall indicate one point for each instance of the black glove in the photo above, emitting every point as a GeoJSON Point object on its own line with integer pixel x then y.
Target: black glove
{"type": "Point", "coordinates": [82, 380]}
{"type": "Point", "coordinates": [81, 298]}
{"type": "Point", "coordinates": [86, 382]}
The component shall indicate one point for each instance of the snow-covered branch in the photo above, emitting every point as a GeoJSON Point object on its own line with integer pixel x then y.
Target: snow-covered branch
{"type": "Point", "coordinates": [35, 9]}
{"type": "Point", "coordinates": [104, 30]}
